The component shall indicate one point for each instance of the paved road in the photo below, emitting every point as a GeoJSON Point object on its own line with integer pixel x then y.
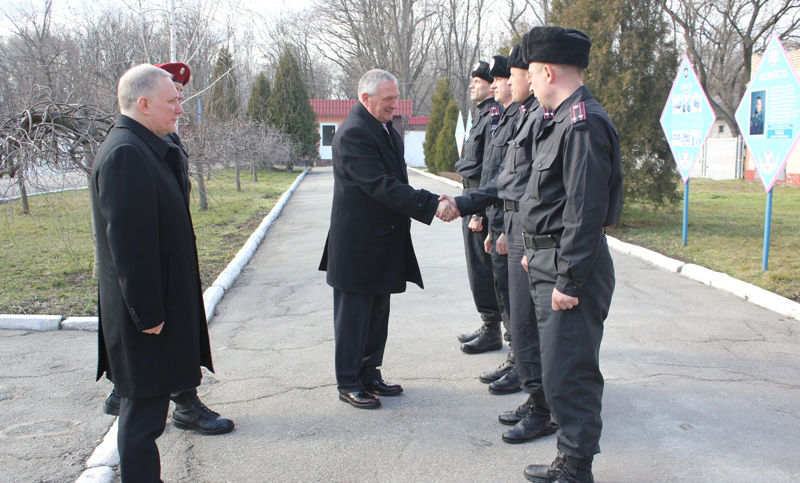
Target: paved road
{"type": "Point", "coordinates": [700, 385]}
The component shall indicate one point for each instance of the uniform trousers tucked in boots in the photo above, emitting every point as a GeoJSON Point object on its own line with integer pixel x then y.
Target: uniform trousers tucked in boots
{"type": "Point", "coordinates": [360, 323]}
{"type": "Point", "coordinates": [524, 330]}
{"type": "Point", "coordinates": [141, 422]}
{"type": "Point", "coordinates": [479, 271]}
{"type": "Point", "coordinates": [500, 273]}
{"type": "Point", "coordinates": [570, 345]}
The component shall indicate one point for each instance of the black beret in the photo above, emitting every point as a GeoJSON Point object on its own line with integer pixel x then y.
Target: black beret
{"type": "Point", "coordinates": [481, 70]}
{"type": "Point", "coordinates": [557, 45]}
{"type": "Point", "coordinates": [515, 58]}
{"type": "Point", "coordinates": [499, 67]}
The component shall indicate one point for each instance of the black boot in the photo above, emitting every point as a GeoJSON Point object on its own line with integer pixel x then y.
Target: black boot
{"type": "Point", "coordinates": [471, 335]}
{"type": "Point", "coordinates": [111, 406]}
{"type": "Point", "coordinates": [546, 473]}
{"type": "Point", "coordinates": [534, 425]}
{"type": "Point", "coordinates": [507, 384]}
{"type": "Point", "coordinates": [191, 413]}
{"type": "Point", "coordinates": [488, 340]}
{"type": "Point", "coordinates": [498, 372]}
{"type": "Point", "coordinates": [510, 418]}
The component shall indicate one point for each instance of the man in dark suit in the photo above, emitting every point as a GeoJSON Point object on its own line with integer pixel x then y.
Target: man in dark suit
{"type": "Point", "coordinates": [153, 335]}
{"type": "Point", "coordinates": [190, 412]}
{"type": "Point", "coordinates": [368, 253]}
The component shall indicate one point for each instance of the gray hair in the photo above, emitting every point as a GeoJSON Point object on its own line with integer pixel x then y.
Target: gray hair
{"type": "Point", "coordinates": [137, 82]}
{"type": "Point", "coordinates": [370, 81]}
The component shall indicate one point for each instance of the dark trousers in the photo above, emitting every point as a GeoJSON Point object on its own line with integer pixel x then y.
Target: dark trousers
{"type": "Point", "coordinates": [500, 274]}
{"type": "Point", "coordinates": [524, 331]}
{"type": "Point", "coordinates": [570, 344]}
{"type": "Point", "coordinates": [479, 271]}
{"type": "Point", "coordinates": [360, 324]}
{"type": "Point", "coordinates": [141, 422]}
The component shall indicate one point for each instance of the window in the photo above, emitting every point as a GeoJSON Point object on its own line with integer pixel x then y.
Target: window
{"type": "Point", "coordinates": [327, 134]}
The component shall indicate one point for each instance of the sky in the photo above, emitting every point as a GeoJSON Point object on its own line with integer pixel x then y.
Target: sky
{"type": "Point", "coordinates": [65, 11]}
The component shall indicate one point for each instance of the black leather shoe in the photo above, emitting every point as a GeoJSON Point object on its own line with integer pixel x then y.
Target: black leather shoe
{"type": "Point", "coordinates": [546, 473]}
{"type": "Point", "coordinates": [534, 425]}
{"type": "Point", "coordinates": [488, 340]}
{"type": "Point", "coordinates": [470, 336]}
{"type": "Point", "coordinates": [360, 400]}
{"type": "Point", "coordinates": [495, 374]}
{"type": "Point", "coordinates": [191, 413]}
{"type": "Point", "coordinates": [507, 384]}
{"type": "Point", "coordinates": [111, 406]}
{"type": "Point", "coordinates": [510, 418]}
{"type": "Point", "coordinates": [380, 388]}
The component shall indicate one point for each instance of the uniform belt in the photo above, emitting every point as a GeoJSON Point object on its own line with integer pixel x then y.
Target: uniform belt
{"type": "Point", "coordinates": [510, 205]}
{"type": "Point", "coordinates": [540, 242]}
{"type": "Point", "coordinates": [471, 182]}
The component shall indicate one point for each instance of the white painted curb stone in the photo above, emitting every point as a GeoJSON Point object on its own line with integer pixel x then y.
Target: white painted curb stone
{"type": "Point", "coordinates": [30, 322]}
{"type": "Point", "coordinates": [79, 323]}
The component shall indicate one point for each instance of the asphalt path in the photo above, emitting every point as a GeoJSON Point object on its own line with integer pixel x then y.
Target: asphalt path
{"type": "Point", "coordinates": [700, 385]}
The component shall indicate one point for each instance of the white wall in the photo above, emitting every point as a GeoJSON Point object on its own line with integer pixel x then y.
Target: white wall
{"type": "Point", "coordinates": [413, 143]}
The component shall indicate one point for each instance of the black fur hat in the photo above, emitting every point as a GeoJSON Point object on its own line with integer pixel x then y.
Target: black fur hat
{"type": "Point", "coordinates": [498, 67]}
{"type": "Point", "coordinates": [557, 45]}
{"type": "Point", "coordinates": [515, 57]}
{"type": "Point", "coordinates": [481, 70]}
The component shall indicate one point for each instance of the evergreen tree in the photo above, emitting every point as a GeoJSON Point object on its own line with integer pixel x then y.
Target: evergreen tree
{"type": "Point", "coordinates": [223, 102]}
{"type": "Point", "coordinates": [441, 98]}
{"type": "Point", "coordinates": [259, 95]}
{"type": "Point", "coordinates": [631, 69]}
{"type": "Point", "coordinates": [446, 147]}
{"type": "Point", "coordinates": [291, 111]}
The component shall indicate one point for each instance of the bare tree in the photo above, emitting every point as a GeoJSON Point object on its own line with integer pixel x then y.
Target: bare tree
{"type": "Point", "coordinates": [721, 38]}
{"type": "Point", "coordinates": [462, 34]}
{"type": "Point", "coordinates": [396, 35]}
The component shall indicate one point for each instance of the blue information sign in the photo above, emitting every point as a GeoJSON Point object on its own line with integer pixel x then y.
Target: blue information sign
{"type": "Point", "coordinates": [687, 118]}
{"type": "Point", "coordinates": [769, 113]}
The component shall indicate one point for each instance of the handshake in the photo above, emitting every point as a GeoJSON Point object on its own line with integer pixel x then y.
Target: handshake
{"type": "Point", "coordinates": [447, 210]}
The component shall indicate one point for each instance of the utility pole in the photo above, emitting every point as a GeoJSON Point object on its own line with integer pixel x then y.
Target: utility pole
{"type": "Point", "coordinates": [172, 54]}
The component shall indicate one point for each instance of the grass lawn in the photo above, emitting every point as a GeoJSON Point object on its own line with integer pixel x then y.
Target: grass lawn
{"type": "Point", "coordinates": [47, 257]}
{"type": "Point", "coordinates": [726, 232]}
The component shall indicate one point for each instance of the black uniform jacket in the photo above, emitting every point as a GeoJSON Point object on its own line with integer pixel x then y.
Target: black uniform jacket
{"type": "Point", "coordinates": [513, 179]}
{"type": "Point", "coordinates": [495, 189]}
{"type": "Point", "coordinates": [471, 164]}
{"type": "Point", "coordinates": [146, 266]}
{"type": "Point", "coordinates": [369, 248]}
{"type": "Point", "coordinates": [575, 186]}
{"type": "Point", "coordinates": [493, 159]}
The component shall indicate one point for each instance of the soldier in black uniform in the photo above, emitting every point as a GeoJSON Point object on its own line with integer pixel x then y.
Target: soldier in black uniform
{"type": "Point", "coordinates": [479, 263]}
{"type": "Point", "coordinates": [532, 419]}
{"type": "Point", "coordinates": [503, 379]}
{"type": "Point", "coordinates": [190, 412]}
{"type": "Point", "coordinates": [574, 191]}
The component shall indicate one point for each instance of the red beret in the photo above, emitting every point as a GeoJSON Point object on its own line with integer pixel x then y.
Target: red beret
{"type": "Point", "coordinates": [180, 71]}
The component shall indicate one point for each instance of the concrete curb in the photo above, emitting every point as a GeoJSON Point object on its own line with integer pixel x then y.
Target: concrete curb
{"type": "Point", "coordinates": [100, 465]}
{"type": "Point", "coordinates": [30, 322]}
{"type": "Point", "coordinates": [211, 296]}
{"type": "Point", "coordinates": [437, 177]}
{"type": "Point", "coordinates": [721, 281]}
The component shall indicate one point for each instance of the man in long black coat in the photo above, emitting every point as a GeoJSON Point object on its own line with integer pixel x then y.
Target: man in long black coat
{"type": "Point", "coordinates": [368, 253]}
{"type": "Point", "coordinates": [153, 335]}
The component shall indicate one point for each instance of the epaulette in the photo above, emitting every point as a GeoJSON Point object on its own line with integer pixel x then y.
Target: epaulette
{"type": "Point", "coordinates": [577, 113]}
{"type": "Point", "coordinates": [494, 111]}
{"type": "Point", "coordinates": [548, 114]}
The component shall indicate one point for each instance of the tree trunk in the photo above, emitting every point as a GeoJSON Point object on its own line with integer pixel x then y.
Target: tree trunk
{"type": "Point", "coordinates": [23, 194]}
{"type": "Point", "coordinates": [238, 180]}
{"type": "Point", "coordinates": [201, 191]}
{"type": "Point", "coordinates": [255, 171]}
